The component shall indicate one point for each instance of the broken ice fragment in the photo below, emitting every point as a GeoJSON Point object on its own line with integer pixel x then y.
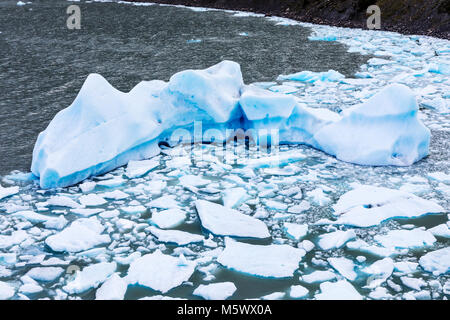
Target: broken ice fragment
{"type": "Point", "coordinates": [224, 221]}
{"type": "Point", "coordinates": [271, 261]}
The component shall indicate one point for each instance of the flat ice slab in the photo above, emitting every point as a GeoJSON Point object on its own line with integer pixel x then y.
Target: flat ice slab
{"type": "Point", "coordinates": [90, 277]}
{"type": "Point", "coordinates": [82, 234]}
{"type": "Point", "coordinates": [215, 291]}
{"type": "Point", "coordinates": [367, 206]}
{"type": "Point", "coordinates": [436, 262]}
{"type": "Point", "coordinates": [224, 221]}
{"type": "Point", "coordinates": [340, 290]}
{"type": "Point", "coordinates": [159, 271]}
{"type": "Point", "coordinates": [272, 261]}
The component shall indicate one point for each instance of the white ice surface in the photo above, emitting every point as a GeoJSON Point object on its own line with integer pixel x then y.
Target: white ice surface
{"type": "Point", "coordinates": [229, 222]}
{"type": "Point", "coordinates": [272, 261]}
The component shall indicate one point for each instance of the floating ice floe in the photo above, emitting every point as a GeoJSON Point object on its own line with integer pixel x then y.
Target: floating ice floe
{"type": "Point", "coordinates": [367, 206]}
{"type": "Point", "coordinates": [137, 169]}
{"type": "Point", "coordinates": [129, 126]}
{"type": "Point", "coordinates": [298, 292]}
{"type": "Point", "coordinates": [215, 291]}
{"type": "Point", "coordinates": [318, 276]}
{"type": "Point", "coordinates": [296, 231]}
{"type": "Point", "coordinates": [441, 230]}
{"type": "Point", "coordinates": [271, 261]}
{"type": "Point", "coordinates": [344, 266]}
{"type": "Point", "coordinates": [7, 192]}
{"type": "Point", "coordinates": [6, 291]}
{"type": "Point", "coordinates": [45, 273]}
{"type": "Point", "coordinates": [335, 240]}
{"type": "Point", "coordinates": [311, 77]}
{"type": "Point", "coordinates": [175, 236]}
{"type": "Point", "coordinates": [167, 219]}
{"type": "Point", "coordinates": [234, 197]}
{"type": "Point", "coordinates": [414, 239]}
{"type": "Point", "coordinates": [224, 221]}
{"type": "Point", "coordinates": [49, 222]}
{"type": "Point", "coordinates": [436, 262]}
{"type": "Point", "coordinates": [380, 271]}
{"type": "Point", "coordinates": [114, 288]}
{"type": "Point", "coordinates": [339, 290]}
{"type": "Point", "coordinates": [90, 277]}
{"type": "Point", "coordinates": [82, 234]}
{"type": "Point", "coordinates": [159, 271]}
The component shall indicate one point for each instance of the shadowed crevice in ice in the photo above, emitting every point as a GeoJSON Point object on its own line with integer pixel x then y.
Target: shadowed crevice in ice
{"type": "Point", "coordinates": [105, 128]}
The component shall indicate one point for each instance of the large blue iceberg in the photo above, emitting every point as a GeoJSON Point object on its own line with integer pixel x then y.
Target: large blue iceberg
{"type": "Point", "coordinates": [105, 128]}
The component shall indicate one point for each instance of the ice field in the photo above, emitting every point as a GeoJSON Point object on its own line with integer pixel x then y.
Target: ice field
{"type": "Point", "coordinates": [354, 204]}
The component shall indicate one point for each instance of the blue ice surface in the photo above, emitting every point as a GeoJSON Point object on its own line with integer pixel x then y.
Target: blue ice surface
{"type": "Point", "coordinates": [323, 38]}
{"type": "Point", "coordinates": [441, 68]}
{"type": "Point", "coordinates": [311, 77]}
{"type": "Point", "coordinates": [105, 128]}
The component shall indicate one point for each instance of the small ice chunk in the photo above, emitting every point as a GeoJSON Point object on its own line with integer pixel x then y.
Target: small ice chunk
{"type": "Point", "coordinates": [164, 202]}
{"type": "Point", "coordinates": [296, 231]}
{"type": "Point", "coordinates": [298, 292]}
{"type": "Point", "coordinates": [79, 236]}
{"type": "Point", "coordinates": [159, 271]}
{"type": "Point", "coordinates": [167, 219]}
{"type": "Point", "coordinates": [274, 296]}
{"type": "Point", "coordinates": [406, 267]}
{"type": "Point", "coordinates": [45, 273]}
{"type": "Point", "coordinates": [137, 169]}
{"type": "Point", "coordinates": [16, 237]}
{"type": "Point", "coordinates": [229, 222]}
{"type": "Point", "coordinates": [7, 192]}
{"type": "Point", "coordinates": [413, 283]}
{"type": "Point", "coordinates": [111, 183]}
{"type": "Point", "coordinates": [115, 195]}
{"type": "Point", "coordinates": [415, 238]}
{"type": "Point", "coordinates": [134, 209]}
{"type": "Point", "coordinates": [340, 290]}
{"type": "Point", "coordinates": [275, 205]}
{"type": "Point", "coordinates": [336, 239]}
{"type": "Point", "coordinates": [87, 187]}
{"type": "Point", "coordinates": [318, 196]}
{"type": "Point", "coordinates": [318, 276]}
{"type": "Point", "coordinates": [367, 206]}
{"type": "Point", "coordinates": [193, 181]}
{"type": "Point", "coordinates": [90, 277]}
{"type": "Point", "coordinates": [441, 230]}
{"type": "Point", "coordinates": [344, 266]}
{"type": "Point", "coordinates": [49, 222]}
{"type": "Point", "coordinates": [91, 200]}
{"type": "Point", "coordinates": [380, 271]}
{"type": "Point", "coordinates": [271, 261]}
{"type": "Point", "coordinates": [63, 201]}
{"type": "Point", "coordinates": [234, 197]}
{"type": "Point", "coordinates": [303, 206]}
{"type": "Point", "coordinates": [6, 291]}
{"type": "Point", "coordinates": [440, 176]}
{"type": "Point", "coordinates": [175, 236]}
{"type": "Point", "coordinates": [86, 212]}
{"type": "Point", "coordinates": [436, 262]}
{"type": "Point", "coordinates": [215, 291]}
{"type": "Point", "coordinates": [114, 288]}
